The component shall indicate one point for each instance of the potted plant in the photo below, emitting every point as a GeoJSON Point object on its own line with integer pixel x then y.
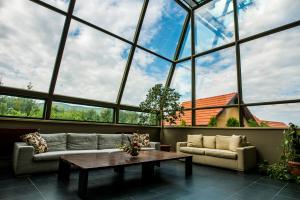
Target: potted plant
{"type": "Point", "coordinates": [292, 149]}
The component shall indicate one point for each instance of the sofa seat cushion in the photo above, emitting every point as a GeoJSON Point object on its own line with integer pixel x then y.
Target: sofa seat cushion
{"type": "Point", "coordinates": [147, 148]}
{"type": "Point", "coordinates": [82, 141]}
{"type": "Point", "coordinates": [192, 150]}
{"type": "Point", "coordinates": [56, 141]}
{"type": "Point", "coordinates": [54, 155]}
{"type": "Point", "coordinates": [221, 153]}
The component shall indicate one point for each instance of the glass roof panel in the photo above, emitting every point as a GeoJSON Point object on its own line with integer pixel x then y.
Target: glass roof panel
{"type": "Point", "coordinates": [93, 64]}
{"type": "Point", "coordinates": [273, 73]}
{"type": "Point", "coordinates": [146, 71]}
{"type": "Point", "coordinates": [216, 76]}
{"type": "Point", "coordinates": [186, 46]}
{"type": "Point", "coordinates": [214, 25]}
{"type": "Point", "coordinates": [260, 15]}
{"type": "Point", "coordinates": [60, 4]}
{"type": "Point", "coordinates": [117, 16]}
{"type": "Point", "coordinates": [162, 27]}
{"type": "Point", "coordinates": [29, 37]}
{"type": "Point", "coordinates": [182, 81]}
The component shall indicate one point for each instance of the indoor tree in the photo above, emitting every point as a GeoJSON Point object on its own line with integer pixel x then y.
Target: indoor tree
{"type": "Point", "coordinates": [162, 102]}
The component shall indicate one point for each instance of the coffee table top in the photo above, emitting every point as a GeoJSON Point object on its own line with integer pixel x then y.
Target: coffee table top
{"type": "Point", "coordinates": [105, 160]}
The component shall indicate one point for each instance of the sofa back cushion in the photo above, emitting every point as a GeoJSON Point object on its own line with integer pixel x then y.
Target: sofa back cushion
{"type": "Point", "coordinates": [209, 142]}
{"type": "Point", "coordinates": [109, 141]}
{"type": "Point", "coordinates": [82, 141]}
{"type": "Point", "coordinates": [194, 141]}
{"type": "Point", "coordinates": [222, 142]}
{"type": "Point", "coordinates": [235, 142]}
{"type": "Point", "coordinates": [56, 141]}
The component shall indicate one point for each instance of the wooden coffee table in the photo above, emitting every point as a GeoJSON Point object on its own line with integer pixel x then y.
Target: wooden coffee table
{"type": "Point", "coordinates": [117, 161]}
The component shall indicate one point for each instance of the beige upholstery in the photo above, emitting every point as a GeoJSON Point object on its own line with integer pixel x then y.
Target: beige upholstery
{"type": "Point", "coordinates": [194, 141]}
{"type": "Point", "coordinates": [209, 142]}
{"type": "Point", "coordinates": [235, 142]}
{"type": "Point", "coordinates": [192, 150]}
{"type": "Point", "coordinates": [242, 159]}
{"type": "Point", "coordinates": [222, 142]}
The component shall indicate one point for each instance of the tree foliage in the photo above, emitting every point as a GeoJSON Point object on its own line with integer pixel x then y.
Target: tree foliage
{"type": "Point", "coordinates": [162, 102]}
{"type": "Point", "coordinates": [232, 122]}
{"type": "Point", "coordinates": [213, 122]}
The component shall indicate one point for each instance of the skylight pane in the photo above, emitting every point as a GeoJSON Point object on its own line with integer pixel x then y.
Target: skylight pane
{"type": "Point", "coordinates": [260, 15]}
{"type": "Point", "coordinates": [61, 4]}
{"type": "Point", "coordinates": [186, 46]}
{"type": "Point", "coordinates": [29, 37]}
{"type": "Point", "coordinates": [216, 78]}
{"type": "Point", "coordinates": [21, 107]}
{"type": "Point", "coordinates": [117, 16]}
{"type": "Point", "coordinates": [162, 27]}
{"type": "Point", "coordinates": [270, 67]}
{"type": "Point", "coordinates": [214, 25]}
{"type": "Point", "coordinates": [146, 71]}
{"type": "Point", "coordinates": [67, 111]}
{"type": "Point", "coordinates": [92, 65]}
{"type": "Point", "coordinates": [276, 116]}
{"type": "Point", "coordinates": [182, 81]}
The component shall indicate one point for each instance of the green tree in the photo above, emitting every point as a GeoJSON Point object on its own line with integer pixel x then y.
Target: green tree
{"type": "Point", "coordinates": [106, 115]}
{"type": "Point", "coordinates": [232, 122]}
{"type": "Point", "coordinates": [213, 122]}
{"type": "Point", "coordinates": [162, 102]}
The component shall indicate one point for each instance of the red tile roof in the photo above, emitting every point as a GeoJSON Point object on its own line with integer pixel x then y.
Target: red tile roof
{"type": "Point", "coordinates": [273, 124]}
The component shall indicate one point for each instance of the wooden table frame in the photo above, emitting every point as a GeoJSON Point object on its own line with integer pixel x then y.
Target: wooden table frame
{"type": "Point", "coordinates": [65, 163]}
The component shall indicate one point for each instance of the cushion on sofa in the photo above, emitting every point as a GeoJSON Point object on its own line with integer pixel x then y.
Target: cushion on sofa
{"type": "Point", "coordinates": [109, 141]}
{"type": "Point", "coordinates": [81, 141]}
{"type": "Point", "coordinates": [192, 150]}
{"type": "Point", "coordinates": [235, 142]}
{"type": "Point", "coordinates": [194, 141]}
{"type": "Point", "coordinates": [222, 142]}
{"type": "Point", "coordinates": [221, 153]}
{"type": "Point", "coordinates": [209, 142]}
{"type": "Point", "coordinates": [35, 140]}
{"type": "Point", "coordinates": [56, 141]}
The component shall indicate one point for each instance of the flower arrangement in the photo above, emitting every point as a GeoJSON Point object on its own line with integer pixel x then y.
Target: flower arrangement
{"type": "Point", "coordinates": [133, 147]}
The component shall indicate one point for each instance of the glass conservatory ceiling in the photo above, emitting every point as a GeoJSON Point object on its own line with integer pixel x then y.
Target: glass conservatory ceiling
{"type": "Point", "coordinates": [108, 53]}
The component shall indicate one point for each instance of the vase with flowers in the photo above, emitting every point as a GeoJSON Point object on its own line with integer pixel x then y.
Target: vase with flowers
{"type": "Point", "coordinates": [133, 147]}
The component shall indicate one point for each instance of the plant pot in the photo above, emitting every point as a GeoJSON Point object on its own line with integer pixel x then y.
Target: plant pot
{"type": "Point", "coordinates": [294, 168]}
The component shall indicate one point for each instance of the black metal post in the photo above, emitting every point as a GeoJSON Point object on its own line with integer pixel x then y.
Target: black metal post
{"type": "Point", "coordinates": [193, 68]}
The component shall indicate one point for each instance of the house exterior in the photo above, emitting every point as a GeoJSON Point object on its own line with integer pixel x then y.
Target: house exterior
{"type": "Point", "coordinates": [204, 116]}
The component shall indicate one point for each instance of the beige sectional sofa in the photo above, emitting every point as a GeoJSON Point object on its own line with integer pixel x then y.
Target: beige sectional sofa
{"type": "Point", "coordinates": [26, 161]}
{"type": "Point", "coordinates": [232, 152]}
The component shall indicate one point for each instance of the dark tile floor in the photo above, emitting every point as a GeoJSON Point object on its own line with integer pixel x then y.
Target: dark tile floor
{"type": "Point", "coordinates": [169, 183]}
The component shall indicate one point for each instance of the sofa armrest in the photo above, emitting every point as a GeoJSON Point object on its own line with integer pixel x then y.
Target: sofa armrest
{"type": "Point", "coordinates": [180, 144]}
{"type": "Point", "coordinates": [22, 154]}
{"type": "Point", "coordinates": [155, 145]}
{"type": "Point", "coordinates": [246, 157]}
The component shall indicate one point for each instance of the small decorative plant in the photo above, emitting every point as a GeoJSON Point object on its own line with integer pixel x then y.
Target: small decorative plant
{"type": "Point", "coordinates": [133, 147]}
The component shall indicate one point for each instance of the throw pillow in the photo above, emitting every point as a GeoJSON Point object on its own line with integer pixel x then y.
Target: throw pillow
{"type": "Point", "coordinates": [235, 142]}
{"type": "Point", "coordinates": [209, 142]}
{"type": "Point", "coordinates": [194, 141]}
{"type": "Point", "coordinates": [222, 142]}
{"type": "Point", "coordinates": [35, 140]}
{"type": "Point", "coordinates": [144, 139]}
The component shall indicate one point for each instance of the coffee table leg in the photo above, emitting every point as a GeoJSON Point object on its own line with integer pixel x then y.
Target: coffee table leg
{"type": "Point", "coordinates": [64, 169]}
{"type": "Point", "coordinates": [188, 166]}
{"type": "Point", "coordinates": [82, 183]}
{"type": "Point", "coordinates": [147, 170]}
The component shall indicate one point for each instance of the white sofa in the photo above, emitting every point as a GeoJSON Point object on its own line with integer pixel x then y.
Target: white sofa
{"type": "Point", "coordinates": [220, 151]}
{"type": "Point", "coordinates": [26, 161]}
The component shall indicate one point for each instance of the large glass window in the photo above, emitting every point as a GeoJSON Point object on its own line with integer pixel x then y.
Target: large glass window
{"type": "Point", "coordinates": [133, 117]}
{"type": "Point", "coordinates": [260, 15]}
{"type": "Point", "coordinates": [67, 111]}
{"type": "Point", "coordinates": [186, 46]}
{"type": "Point", "coordinates": [182, 81]}
{"type": "Point", "coordinates": [162, 27]}
{"type": "Point", "coordinates": [270, 67]}
{"type": "Point", "coordinates": [92, 65]}
{"type": "Point", "coordinates": [117, 16]}
{"type": "Point", "coordinates": [214, 25]}
{"type": "Point", "coordinates": [61, 4]}
{"type": "Point", "coordinates": [29, 38]}
{"type": "Point", "coordinates": [216, 78]}
{"type": "Point", "coordinates": [274, 116]}
{"type": "Point", "coordinates": [146, 71]}
{"type": "Point", "coordinates": [21, 107]}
